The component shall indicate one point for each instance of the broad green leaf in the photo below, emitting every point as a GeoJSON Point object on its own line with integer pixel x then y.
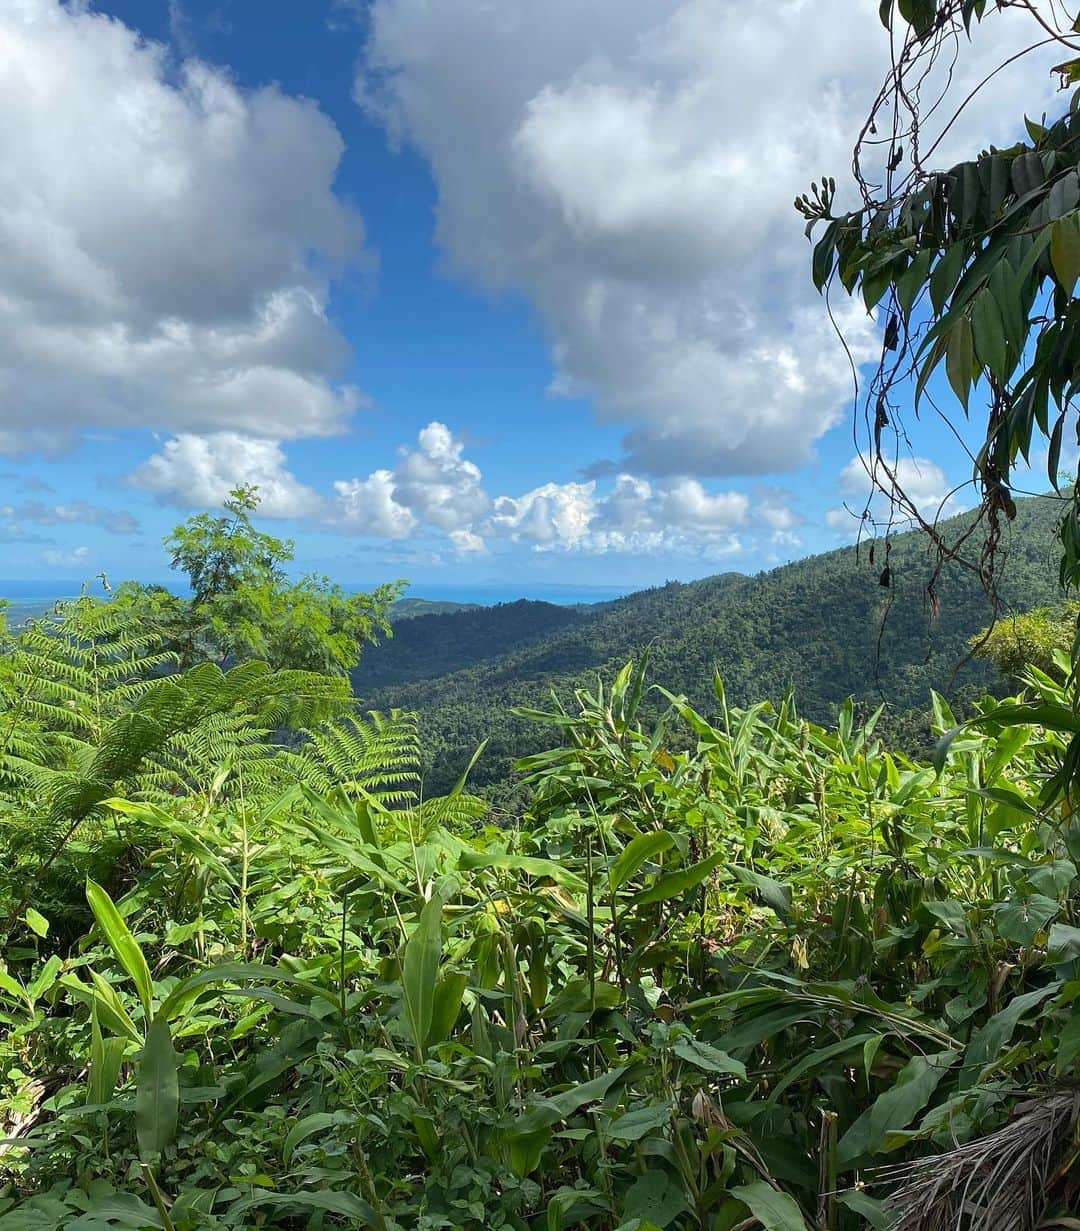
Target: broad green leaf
{"type": "Point", "coordinates": [106, 1056]}
{"type": "Point", "coordinates": [912, 280]}
{"type": "Point", "coordinates": [579, 996]}
{"type": "Point", "coordinates": [317, 1122]}
{"type": "Point", "coordinates": [420, 970]}
{"type": "Point", "coordinates": [673, 884]}
{"type": "Point", "coordinates": [705, 1056]}
{"type": "Point", "coordinates": [988, 329]}
{"type": "Point", "coordinates": [1065, 251]}
{"type": "Point", "coordinates": [772, 892]}
{"type": "Point", "coordinates": [633, 1125]}
{"type": "Point", "coordinates": [869, 1208]}
{"type": "Point", "coordinates": [655, 1198]}
{"type": "Point", "coordinates": [13, 987]}
{"type": "Point", "coordinates": [1069, 1044]}
{"type": "Point", "coordinates": [869, 1043]}
{"type": "Point", "coordinates": [349, 1206]}
{"type": "Point", "coordinates": [531, 865]}
{"type": "Point", "coordinates": [946, 275]}
{"type": "Point", "coordinates": [896, 1108]}
{"type": "Point", "coordinates": [960, 359]}
{"type": "Point", "coordinates": [530, 1132]}
{"type": "Point", "coordinates": [1021, 917]}
{"type": "Point", "coordinates": [638, 851]}
{"type": "Point", "coordinates": [36, 922]}
{"type": "Point", "coordinates": [987, 1043]}
{"type": "Point", "coordinates": [775, 1211]}
{"type": "Point", "coordinates": [449, 992]}
{"type": "Point", "coordinates": [1063, 944]}
{"type": "Point", "coordinates": [109, 1006]}
{"type": "Point", "coordinates": [217, 978]}
{"type": "Point", "coordinates": [122, 943]}
{"type": "Point", "coordinates": [110, 1210]}
{"type": "Point", "coordinates": [1064, 195]}
{"type": "Point", "coordinates": [157, 1092]}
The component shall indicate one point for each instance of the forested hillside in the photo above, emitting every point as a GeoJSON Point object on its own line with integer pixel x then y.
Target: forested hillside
{"type": "Point", "coordinates": [411, 608]}
{"type": "Point", "coordinates": [433, 644]}
{"type": "Point", "coordinates": [824, 626]}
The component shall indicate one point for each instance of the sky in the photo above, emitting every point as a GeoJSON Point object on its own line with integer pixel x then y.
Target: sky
{"type": "Point", "coordinates": [476, 291]}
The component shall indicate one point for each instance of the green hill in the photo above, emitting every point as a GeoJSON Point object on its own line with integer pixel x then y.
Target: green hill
{"type": "Point", "coordinates": [410, 608]}
{"type": "Point", "coordinates": [426, 646]}
{"type": "Point", "coordinates": [824, 626]}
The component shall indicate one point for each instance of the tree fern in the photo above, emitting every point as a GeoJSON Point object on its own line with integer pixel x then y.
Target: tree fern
{"type": "Point", "coordinates": [87, 714]}
{"type": "Point", "coordinates": [377, 756]}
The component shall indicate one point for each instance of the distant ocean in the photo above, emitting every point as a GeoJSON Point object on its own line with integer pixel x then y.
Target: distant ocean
{"type": "Point", "coordinates": [489, 595]}
{"type": "Point", "coordinates": [32, 598]}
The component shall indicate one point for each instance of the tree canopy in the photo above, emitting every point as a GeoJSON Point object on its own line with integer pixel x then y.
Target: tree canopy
{"type": "Point", "coordinates": [243, 605]}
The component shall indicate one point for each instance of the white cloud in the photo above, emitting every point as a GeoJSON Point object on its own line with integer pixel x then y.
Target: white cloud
{"type": "Point", "coordinates": [921, 480]}
{"type": "Point", "coordinates": [466, 542]}
{"type": "Point", "coordinates": [435, 489]}
{"type": "Point", "coordinates": [631, 166]}
{"type": "Point", "coordinates": [368, 507]}
{"type": "Point", "coordinates": [432, 486]}
{"type": "Point", "coordinates": [556, 514]}
{"type": "Point", "coordinates": [57, 557]}
{"type": "Point", "coordinates": [438, 484]}
{"type": "Point", "coordinates": [168, 238]}
{"type": "Point", "coordinates": [773, 508]}
{"type": "Point", "coordinates": [636, 516]}
{"type": "Point", "coordinates": [200, 471]}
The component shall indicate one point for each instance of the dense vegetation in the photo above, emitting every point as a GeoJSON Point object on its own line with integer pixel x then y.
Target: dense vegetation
{"type": "Point", "coordinates": [729, 966]}
{"type": "Point", "coordinates": [738, 966]}
{"type": "Point", "coordinates": [409, 608]}
{"type": "Point", "coordinates": [825, 627]}
{"type": "Point", "coordinates": [431, 644]}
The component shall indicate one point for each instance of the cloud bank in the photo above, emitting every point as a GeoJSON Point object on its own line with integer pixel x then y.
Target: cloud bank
{"type": "Point", "coordinates": [630, 166]}
{"type": "Point", "coordinates": [168, 241]}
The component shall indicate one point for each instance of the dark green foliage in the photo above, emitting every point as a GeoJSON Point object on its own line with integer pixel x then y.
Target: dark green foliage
{"type": "Point", "coordinates": [243, 604]}
{"type": "Point", "coordinates": [430, 645]}
{"type": "Point", "coordinates": [721, 975]}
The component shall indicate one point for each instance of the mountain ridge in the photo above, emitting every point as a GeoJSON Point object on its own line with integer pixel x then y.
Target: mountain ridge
{"type": "Point", "coordinates": [823, 625]}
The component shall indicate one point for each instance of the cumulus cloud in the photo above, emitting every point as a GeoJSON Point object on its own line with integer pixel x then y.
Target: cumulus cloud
{"type": "Point", "coordinates": [433, 486]}
{"type": "Point", "coordinates": [168, 240]}
{"type": "Point", "coordinates": [369, 507]}
{"type": "Point", "coordinates": [78, 512]}
{"type": "Point", "coordinates": [635, 516]}
{"type": "Point", "coordinates": [556, 514]}
{"type": "Point", "coordinates": [199, 472]}
{"type": "Point", "coordinates": [437, 483]}
{"type": "Point", "coordinates": [631, 166]}
{"type": "Point", "coordinates": [435, 489]}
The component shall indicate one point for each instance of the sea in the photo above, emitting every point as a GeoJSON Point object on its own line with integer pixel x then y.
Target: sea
{"type": "Point", "coordinates": [28, 599]}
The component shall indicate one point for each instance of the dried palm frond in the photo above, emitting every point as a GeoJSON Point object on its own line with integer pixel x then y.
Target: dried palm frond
{"type": "Point", "coordinates": [1003, 1182]}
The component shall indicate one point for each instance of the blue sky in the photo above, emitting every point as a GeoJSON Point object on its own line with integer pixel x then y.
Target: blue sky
{"type": "Point", "coordinates": [475, 293]}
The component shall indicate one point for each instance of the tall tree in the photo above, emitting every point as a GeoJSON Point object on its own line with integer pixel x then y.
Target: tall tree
{"type": "Point", "coordinates": [243, 605]}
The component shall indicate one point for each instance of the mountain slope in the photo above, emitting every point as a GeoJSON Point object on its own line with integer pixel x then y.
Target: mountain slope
{"type": "Point", "coordinates": [430, 645]}
{"type": "Point", "coordinates": [824, 626]}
